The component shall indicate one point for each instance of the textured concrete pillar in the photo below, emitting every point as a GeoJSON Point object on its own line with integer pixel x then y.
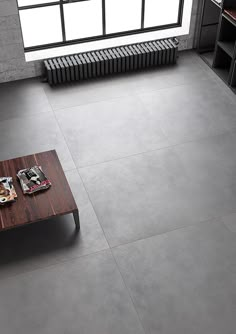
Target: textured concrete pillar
{"type": "Point", "coordinates": [12, 60]}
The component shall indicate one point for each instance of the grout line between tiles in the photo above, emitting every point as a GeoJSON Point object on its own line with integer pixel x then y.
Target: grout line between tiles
{"type": "Point", "coordinates": [218, 218]}
{"type": "Point", "coordinates": [74, 258]}
{"type": "Point", "coordinates": [94, 209]}
{"type": "Point", "coordinates": [150, 90]}
{"type": "Point", "coordinates": [82, 181]}
{"type": "Point", "coordinates": [159, 149]}
{"type": "Point", "coordinates": [129, 292]}
{"type": "Point", "coordinates": [209, 77]}
{"type": "Point", "coordinates": [53, 264]}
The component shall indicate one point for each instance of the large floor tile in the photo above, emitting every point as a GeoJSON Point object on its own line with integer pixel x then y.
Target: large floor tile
{"type": "Point", "coordinates": [126, 194]}
{"type": "Point", "coordinates": [151, 193]}
{"type": "Point", "coordinates": [95, 90]}
{"type": "Point", "coordinates": [85, 296]}
{"type": "Point", "coordinates": [33, 134]}
{"type": "Point", "coordinates": [109, 130]}
{"type": "Point", "coordinates": [194, 111]}
{"type": "Point", "coordinates": [187, 70]}
{"type": "Point", "coordinates": [211, 161]}
{"type": "Point", "coordinates": [230, 221]}
{"type": "Point", "coordinates": [49, 242]}
{"type": "Point", "coordinates": [22, 98]}
{"type": "Point", "coordinates": [183, 281]}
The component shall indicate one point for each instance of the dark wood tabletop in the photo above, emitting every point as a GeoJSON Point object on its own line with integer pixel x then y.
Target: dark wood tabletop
{"type": "Point", "coordinates": [55, 201]}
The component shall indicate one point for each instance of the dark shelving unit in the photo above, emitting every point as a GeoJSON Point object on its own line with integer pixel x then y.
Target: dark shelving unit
{"type": "Point", "coordinates": [217, 39]}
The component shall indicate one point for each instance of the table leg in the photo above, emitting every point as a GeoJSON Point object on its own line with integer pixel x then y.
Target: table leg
{"type": "Point", "coordinates": [76, 218]}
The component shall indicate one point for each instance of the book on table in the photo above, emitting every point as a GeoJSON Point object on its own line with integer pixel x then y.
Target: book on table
{"type": "Point", "coordinates": [7, 190]}
{"type": "Point", "coordinates": [33, 179]}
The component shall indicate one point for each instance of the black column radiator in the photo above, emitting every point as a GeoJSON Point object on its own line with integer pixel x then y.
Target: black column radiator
{"type": "Point", "coordinates": [98, 63]}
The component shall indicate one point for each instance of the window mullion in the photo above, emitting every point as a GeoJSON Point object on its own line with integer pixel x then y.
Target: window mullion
{"type": "Point", "coordinates": [104, 16]}
{"type": "Point", "coordinates": [63, 30]}
{"type": "Point", "coordinates": [142, 14]}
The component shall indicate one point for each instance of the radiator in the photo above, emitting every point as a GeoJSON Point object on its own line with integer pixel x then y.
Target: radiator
{"type": "Point", "coordinates": [99, 63]}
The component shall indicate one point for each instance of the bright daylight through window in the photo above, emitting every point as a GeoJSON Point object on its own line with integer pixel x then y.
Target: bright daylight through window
{"type": "Point", "coordinates": [50, 23]}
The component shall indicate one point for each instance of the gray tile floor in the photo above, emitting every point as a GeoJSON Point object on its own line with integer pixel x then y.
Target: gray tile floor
{"type": "Point", "coordinates": [151, 160]}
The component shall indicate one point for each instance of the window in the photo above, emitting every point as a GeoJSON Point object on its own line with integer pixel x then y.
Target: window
{"type": "Point", "coordinates": [51, 23]}
{"type": "Point", "coordinates": [39, 28]}
{"type": "Point", "coordinates": [123, 15]}
{"type": "Point", "coordinates": [160, 12]}
{"type": "Point", "coordinates": [83, 19]}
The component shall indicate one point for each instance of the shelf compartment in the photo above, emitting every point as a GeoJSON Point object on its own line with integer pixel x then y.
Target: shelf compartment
{"type": "Point", "coordinates": [227, 37]}
{"type": "Point", "coordinates": [229, 19]}
{"type": "Point", "coordinates": [208, 57]}
{"type": "Point", "coordinates": [223, 73]}
{"type": "Point", "coordinates": [228, 47]}
{"type": "Point", "coordinates": [222, 64]}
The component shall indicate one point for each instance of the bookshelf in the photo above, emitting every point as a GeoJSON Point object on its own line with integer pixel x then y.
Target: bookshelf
{"type": "Point", "coordinates": [217, 38]}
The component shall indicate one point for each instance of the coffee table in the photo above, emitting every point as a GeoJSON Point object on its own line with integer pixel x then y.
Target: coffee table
{"type": "Point", "coordinates": [55, 201]}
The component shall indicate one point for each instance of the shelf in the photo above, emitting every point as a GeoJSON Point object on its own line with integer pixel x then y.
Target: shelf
{"type": "Point", "coordinates": [216, 3]}
{"type": "Point", "coordinates": [228, 47]}
{"type": "Point", "coordinates": [217, 38]}
{"type": "Point", "coordinates": [228, 18]}
{"type": "Point", "coordinates": [208, 57]}
{"type": "Point", "coordinates": [222, 64]}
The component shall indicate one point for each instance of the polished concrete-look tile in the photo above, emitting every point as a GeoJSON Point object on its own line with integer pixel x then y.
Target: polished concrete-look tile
{"type": "Point", "coordinates": [84, 296]}
{"type": "Point", "coordinates": [109, 130]}
{"type": "Point", "coordinates": [33, 134]}
{"type": "Point", "coordinates": [23, 99]}
{"type": "Point", "coordinates": [188, 70]}
{"type": "Point", "coordinates": [230, 221]}
{"type": "Point", "coordinates": [150, 158]}
{"type": "Point", "coordinates": [183, 281]}
{"type": "Point", "coordinates": [49, 242]}
{"type": "Point", "coordinates": [130, 196]}
{"type": "Point", "coordinates": [211, 161]}
{"type": "Point", "coordinates": [151, 193]}
{"type": "Point", "coordinates": [187, 113]}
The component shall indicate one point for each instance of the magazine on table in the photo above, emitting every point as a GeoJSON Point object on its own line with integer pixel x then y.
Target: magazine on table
{"type": "Point", "coordinates": [7, 190]}
{"type": "Point", "coordinates": [33, 179]}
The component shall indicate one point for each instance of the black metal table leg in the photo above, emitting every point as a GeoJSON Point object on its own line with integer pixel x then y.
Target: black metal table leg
{"type": "Point", "coordinates": [76, 218]}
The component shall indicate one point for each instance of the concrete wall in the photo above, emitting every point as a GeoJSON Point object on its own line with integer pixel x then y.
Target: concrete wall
{"type": "Point", "coordinates": [190, 41]}
{"type": "Point", "coordinates": [12, 60]}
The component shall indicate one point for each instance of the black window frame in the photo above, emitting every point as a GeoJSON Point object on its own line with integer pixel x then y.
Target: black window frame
{"type": "Point", "coordinates": [64, 42]}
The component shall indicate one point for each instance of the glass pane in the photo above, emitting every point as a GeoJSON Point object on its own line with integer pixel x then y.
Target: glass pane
{"type": "Point", "coordinates": [159, 12]}
{"type": "Point", "coordinates": [41, 25]}
{"type": "Point", "coordinates": [123, 15]}
{"type": "Point", "coordinates": [22, 3]}
{"type": "Point", "coordinates": [83, 19]}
